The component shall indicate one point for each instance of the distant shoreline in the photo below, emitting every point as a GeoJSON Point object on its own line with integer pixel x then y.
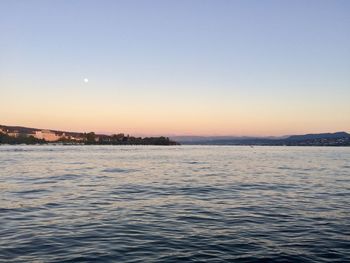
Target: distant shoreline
{"type": "Point", "coordinates": [182, 145]}
{"type": "Point", "coordinates": [25, 135]}
{"type": "Point", "coordinates": [320, 139]}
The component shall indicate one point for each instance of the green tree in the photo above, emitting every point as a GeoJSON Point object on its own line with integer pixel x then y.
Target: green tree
{"type": "Point", "coordinates": [90, 138]}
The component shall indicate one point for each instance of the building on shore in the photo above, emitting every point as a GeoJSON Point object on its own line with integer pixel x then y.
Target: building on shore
{"type": "Point", "coordinates": [14, 134]}
{"type": "Point", "coordinates": [47, 135]}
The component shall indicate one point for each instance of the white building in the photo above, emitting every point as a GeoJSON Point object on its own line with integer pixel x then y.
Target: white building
{"type": "Point", "coordinates": [14, 134]}
{"type": "Point", "coordinates": [47, 135]}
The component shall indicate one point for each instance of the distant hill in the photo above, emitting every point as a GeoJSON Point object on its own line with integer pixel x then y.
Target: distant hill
{"type": "Point", "coordinates": [321, 139]}
{"type": "Point", "coordinates": [318, 136]}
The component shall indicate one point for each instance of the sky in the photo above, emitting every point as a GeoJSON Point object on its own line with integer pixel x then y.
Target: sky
{"type": "Point", "coordinates": [181, 67]}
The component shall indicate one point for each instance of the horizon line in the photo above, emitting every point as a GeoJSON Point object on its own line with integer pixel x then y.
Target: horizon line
{"type": "Point", "coordinates": [175, 134]}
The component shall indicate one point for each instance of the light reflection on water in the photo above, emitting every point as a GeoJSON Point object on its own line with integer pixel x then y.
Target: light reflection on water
{"type": "Point", "coordinates": [171, 204]}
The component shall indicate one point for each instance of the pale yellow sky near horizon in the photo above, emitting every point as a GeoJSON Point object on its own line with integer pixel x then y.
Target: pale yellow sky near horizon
{"type": "Point", "coordinates": [147, 116]}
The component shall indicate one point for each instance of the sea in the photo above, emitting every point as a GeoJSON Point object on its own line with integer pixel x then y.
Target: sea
{"type": "Point", "coordinates": [174, 204]}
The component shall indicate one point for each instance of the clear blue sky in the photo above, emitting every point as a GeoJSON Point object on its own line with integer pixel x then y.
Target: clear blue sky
{"type": "Point", "coordinates": [176, 67]}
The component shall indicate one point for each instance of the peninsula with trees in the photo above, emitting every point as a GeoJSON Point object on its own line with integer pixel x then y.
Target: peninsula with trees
{"type": "Point", "coordinates": [25, 135]}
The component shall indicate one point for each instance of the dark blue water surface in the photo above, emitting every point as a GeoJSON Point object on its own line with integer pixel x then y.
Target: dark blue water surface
{"type": "Point", "coordinates": [174, 204]}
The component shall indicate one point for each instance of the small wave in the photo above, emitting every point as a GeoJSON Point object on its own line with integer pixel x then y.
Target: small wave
{"type": "Point", "coordinates": [118, 170]}
{"type": "Point", "coordinates": [285, 168]}
{"type": "Point", "coordinates": [194, 218]}
{"type": "Point", "coordinates": [32, 191]}
{"type": "Point", "coordinates": [63, 177]}
{"type": "Point", "coordinates": [194, 162]}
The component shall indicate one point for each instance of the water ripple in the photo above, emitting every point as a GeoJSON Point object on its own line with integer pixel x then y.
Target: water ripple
{"type": "Point", "coordinates": [174, 204]}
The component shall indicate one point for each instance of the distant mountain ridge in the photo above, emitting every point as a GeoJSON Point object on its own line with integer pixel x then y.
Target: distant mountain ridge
{"type": "Point", "coordinates": [319, 139]}
{"type": "Point", "coordinates": [319, 136]}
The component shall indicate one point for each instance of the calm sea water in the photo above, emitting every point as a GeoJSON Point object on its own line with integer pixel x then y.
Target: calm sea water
{"type": "Point", "coordinates": [174, 204]}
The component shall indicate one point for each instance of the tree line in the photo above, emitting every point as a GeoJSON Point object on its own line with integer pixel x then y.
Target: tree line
{"type": "Point", "coordinates": [90, 139]}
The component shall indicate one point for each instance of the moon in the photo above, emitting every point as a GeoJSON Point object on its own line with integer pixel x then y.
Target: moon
{"type": "Point", "coordinates": [86, 80]}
